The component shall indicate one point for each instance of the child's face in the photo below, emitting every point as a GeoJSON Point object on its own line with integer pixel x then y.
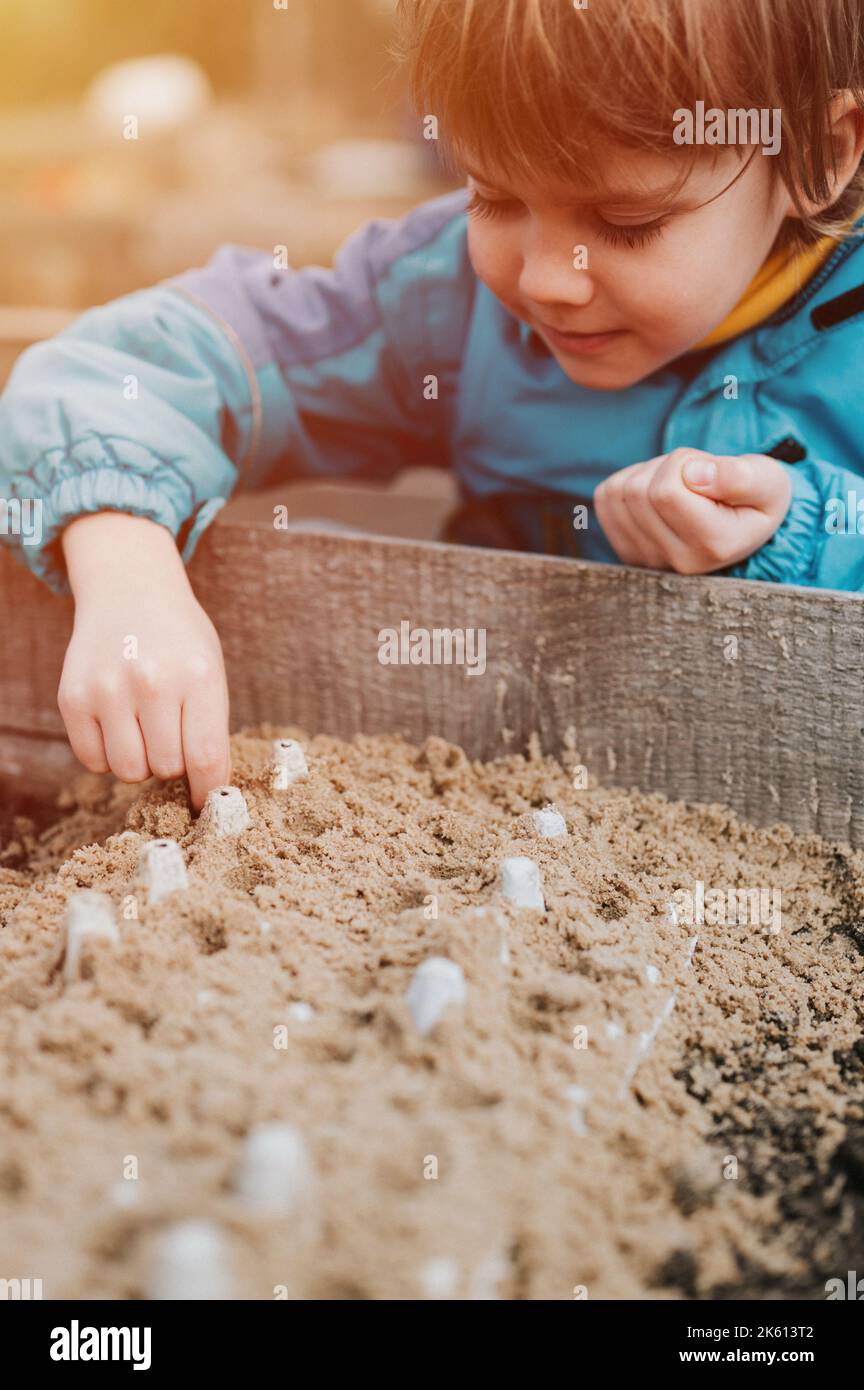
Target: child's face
{"type": "Point", "coordinates": [658, 279]}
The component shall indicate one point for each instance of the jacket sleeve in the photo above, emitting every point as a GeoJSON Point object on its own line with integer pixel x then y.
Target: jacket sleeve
{"type": "Point", "coordinates": [819, 543]}
{"type": "Point", "coordinates": [238, 375]}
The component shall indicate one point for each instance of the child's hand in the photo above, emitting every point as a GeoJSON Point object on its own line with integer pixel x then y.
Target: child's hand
{"type": "Point", "coordinates": [693, 512]}
{"type": "Point", "coordinates": [143, 690]}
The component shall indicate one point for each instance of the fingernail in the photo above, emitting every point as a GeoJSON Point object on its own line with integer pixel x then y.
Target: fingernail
{"type": "Point", "coordinates": [699, 473]}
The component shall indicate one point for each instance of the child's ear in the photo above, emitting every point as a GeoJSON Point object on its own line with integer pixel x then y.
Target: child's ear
{"type": "Point", "coordinates": [847, 136]}
{"type": "Point", "coordinates": [845, 127]}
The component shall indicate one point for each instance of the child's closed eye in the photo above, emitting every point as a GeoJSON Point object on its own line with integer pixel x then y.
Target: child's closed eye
{"type": "Point", "coordinates": [637, 234]}
{"type": "Point", "coordinates": [478, 206]}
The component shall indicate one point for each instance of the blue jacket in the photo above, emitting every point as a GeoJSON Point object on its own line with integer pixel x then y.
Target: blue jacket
{"type": "Point", "coordinates": [239, 375]}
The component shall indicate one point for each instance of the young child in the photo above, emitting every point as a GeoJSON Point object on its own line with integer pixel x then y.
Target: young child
{"type": "Point", "coordinates": [654, 299]}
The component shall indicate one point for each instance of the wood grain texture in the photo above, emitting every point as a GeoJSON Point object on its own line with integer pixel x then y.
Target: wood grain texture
{"type": "Point", "coordinates": [628, 668]}
{"type": "Point", "coordinates": [33, 770]}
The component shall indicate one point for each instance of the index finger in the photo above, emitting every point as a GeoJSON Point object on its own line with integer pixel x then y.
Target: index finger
{"type": "Point", "coordinates": [206, 749]}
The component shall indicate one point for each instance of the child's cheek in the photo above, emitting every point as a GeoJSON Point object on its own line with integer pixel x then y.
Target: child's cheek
{"type": "Point", "coordinates": [693, 290]}
{"type": "Point", "coordinates": [672, 306]}
{"type": "Point", "coordinates": [495, 258]}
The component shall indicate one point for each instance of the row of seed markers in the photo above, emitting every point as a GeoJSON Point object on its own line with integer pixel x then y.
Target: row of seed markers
{"type": "Point", "coordinates": [276, 1174]}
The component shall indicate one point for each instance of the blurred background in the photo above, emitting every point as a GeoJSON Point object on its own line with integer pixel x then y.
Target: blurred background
{"type": "Point", "coordinates": [137, 136]}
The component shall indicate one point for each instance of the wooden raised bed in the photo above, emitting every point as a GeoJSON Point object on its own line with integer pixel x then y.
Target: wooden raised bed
{"type": "Point", "coordinates": [704, 689]}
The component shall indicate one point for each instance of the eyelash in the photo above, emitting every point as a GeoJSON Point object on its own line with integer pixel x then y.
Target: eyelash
{"type": "Point", "coordinates": [640, 235]}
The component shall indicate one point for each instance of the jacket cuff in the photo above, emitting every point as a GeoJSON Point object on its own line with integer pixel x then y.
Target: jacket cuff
{"type": "Point", "coordinates": [188, 538]}
{"type": "Point", "coordinates": [101, 490]}
{"type": "Point", "coordinates": [791, 556]}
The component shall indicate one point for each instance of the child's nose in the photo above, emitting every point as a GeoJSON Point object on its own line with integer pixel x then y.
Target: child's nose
{"type": "Point", "coordinates": [550, 277]}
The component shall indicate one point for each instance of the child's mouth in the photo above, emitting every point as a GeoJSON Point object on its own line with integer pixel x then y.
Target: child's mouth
{"type": "Point", "coordinates": [579, 343]}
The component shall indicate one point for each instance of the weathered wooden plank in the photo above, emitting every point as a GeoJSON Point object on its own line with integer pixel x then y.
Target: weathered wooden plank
{"type": "Point", "coordinates": [707, 689]}
{"type": "Point", "coordinates": [33, 770]}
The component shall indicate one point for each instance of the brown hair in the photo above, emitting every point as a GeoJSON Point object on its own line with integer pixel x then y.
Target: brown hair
{"type": "Point", "coordinates": [536, 87]}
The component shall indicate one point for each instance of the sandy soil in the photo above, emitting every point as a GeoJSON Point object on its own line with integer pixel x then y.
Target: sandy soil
{"type": "Point", "coordinates": [613, 1109]}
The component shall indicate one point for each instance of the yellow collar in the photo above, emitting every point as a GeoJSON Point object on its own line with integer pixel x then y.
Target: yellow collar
{"type": "Point", "coordinates": [781, 277]}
